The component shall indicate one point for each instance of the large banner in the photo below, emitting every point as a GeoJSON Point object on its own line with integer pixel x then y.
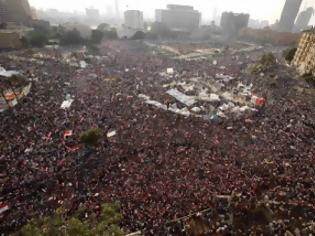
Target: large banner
{"type": "Point", "coordinates": [9, 98]}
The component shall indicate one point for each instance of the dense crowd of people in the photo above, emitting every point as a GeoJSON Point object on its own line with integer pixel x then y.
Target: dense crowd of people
{"type": "Point", "coordinates": [160, 166]}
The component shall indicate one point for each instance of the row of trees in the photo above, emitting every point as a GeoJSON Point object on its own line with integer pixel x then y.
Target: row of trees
{"type": "Point", "coordinates": [59, 224]}
{"type": "Point", "coordinates": [42, 33]}
{"type": "Point", "coordinates": [40, 36]}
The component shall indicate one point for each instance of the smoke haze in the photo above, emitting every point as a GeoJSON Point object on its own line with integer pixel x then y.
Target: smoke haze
{"type": "Point", "coordinates": [261, 10]}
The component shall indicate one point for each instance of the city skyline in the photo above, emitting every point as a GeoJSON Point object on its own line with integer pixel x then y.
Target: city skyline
{"type": "Point", "coordinates": [260, 10]}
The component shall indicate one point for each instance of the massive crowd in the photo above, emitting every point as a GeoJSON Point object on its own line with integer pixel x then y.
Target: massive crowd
{"type": "Point", "coordinates": [160, 166]}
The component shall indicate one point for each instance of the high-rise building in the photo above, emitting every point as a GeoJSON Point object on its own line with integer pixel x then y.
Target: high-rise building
{"type": "Point", "coordinates": [133, 23]}
{"type": "Point", "coordinates": [304, 19]}
{"type": "Point", "coordinates": [179, 17]}
{"type": "Point", "coordinates": [134, 20]}
{"type": "Point", "coordinates": [288, 16]}
{"type": "Point", "coordinates": [232, 23]}
{"type": "Point", "coordinates": [15, 11]}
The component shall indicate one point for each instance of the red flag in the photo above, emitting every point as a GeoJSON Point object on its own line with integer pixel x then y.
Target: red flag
{"type": "Point", "coordinates": [3, 207]}
{"type": "Point", "coordinates": [67, 133]}
{"type": "Point", "coordinates": [48, 137]}
{"type": "Point", "coordinates": [73, 149]}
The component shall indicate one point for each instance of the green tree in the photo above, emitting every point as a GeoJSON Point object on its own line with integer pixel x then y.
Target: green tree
{"type": "Point", "coordinates": [37, 38]}
{"type": "Point", "coordinates": [90, 137]}
{"type": "Point", "coordinates": [289, 54]}
{"type": "Point", "coordinates": [107, 223]}
{"type": "Point", "coordinates": [110, 34]}
{"type": "Point", "coordinates": [25, 42]}
{"type": "Point", "coordinates": [97, 36]}
{"type": "Point", "coordinates": [72, 37]}
{"type": "Point", "coordinates": [151, 35]}
{"type": "Point", "coordinates": [3, 25]}
{"type": "Point", "coordinates": [268, 60]}
{"type": "Point", "coordinates": [103, 27]}
{"type": "Point", "coordinates": [162, 30]}
{"type": "Point", "coordinates": [309, 78]}
{"type": "Point", "coordinates": [139, 35]}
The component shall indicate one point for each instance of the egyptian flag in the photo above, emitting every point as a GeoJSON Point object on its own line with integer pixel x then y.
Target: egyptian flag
{"type": "Point", "coordinates": [3, 207]}
{"type": "Point", "coordinates": [67, 133]}
{"type": "Point", "coordinates": [73, 149]}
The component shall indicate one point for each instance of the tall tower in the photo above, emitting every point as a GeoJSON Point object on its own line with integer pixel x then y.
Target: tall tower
{"type": "Point", "coordinates": [288, 16]}
{"type": "Point", "coordinates": [304, 19]}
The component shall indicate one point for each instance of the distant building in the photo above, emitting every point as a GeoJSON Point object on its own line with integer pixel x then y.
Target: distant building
{"type": "Point", "coordinates": [254, 24]}
{"type": "Point", "coordinates": [92, 13]}
{"type": "Point", "coordinates": [257, 24]}
{"type": "Point", "coordinates": [43, 25]}
{"type": "Point", "coordinates": [178, 17]}
{"type": "Point", "coordinates": [10, 40]}
{"type": "Point", "coordinates": [269, 36]}
{"type": "Point", "coordinates": [304, 19]}
{"type": "Point", "coordinates": [134, 20]}
{"type": "Point", "coordinates": [264, 23]}
{"type": "Point", "coordinates": [15, 12]}
{"type": "Point", "coordinates": [232, 23]}
{"type": "Point", "coordinates": [288, 16]}
{"type": "Point", "coordinates": [34, 13]}
{"type": "Point", "coordinates": [304, 58]}
{"type": "Point", "coordinates": [52, 12]}
{"type": "Point", "coordinates": [15, 16]}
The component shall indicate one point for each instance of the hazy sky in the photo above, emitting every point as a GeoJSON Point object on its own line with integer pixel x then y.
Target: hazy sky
{"type": "Point", "coordinates": [259, 9]}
